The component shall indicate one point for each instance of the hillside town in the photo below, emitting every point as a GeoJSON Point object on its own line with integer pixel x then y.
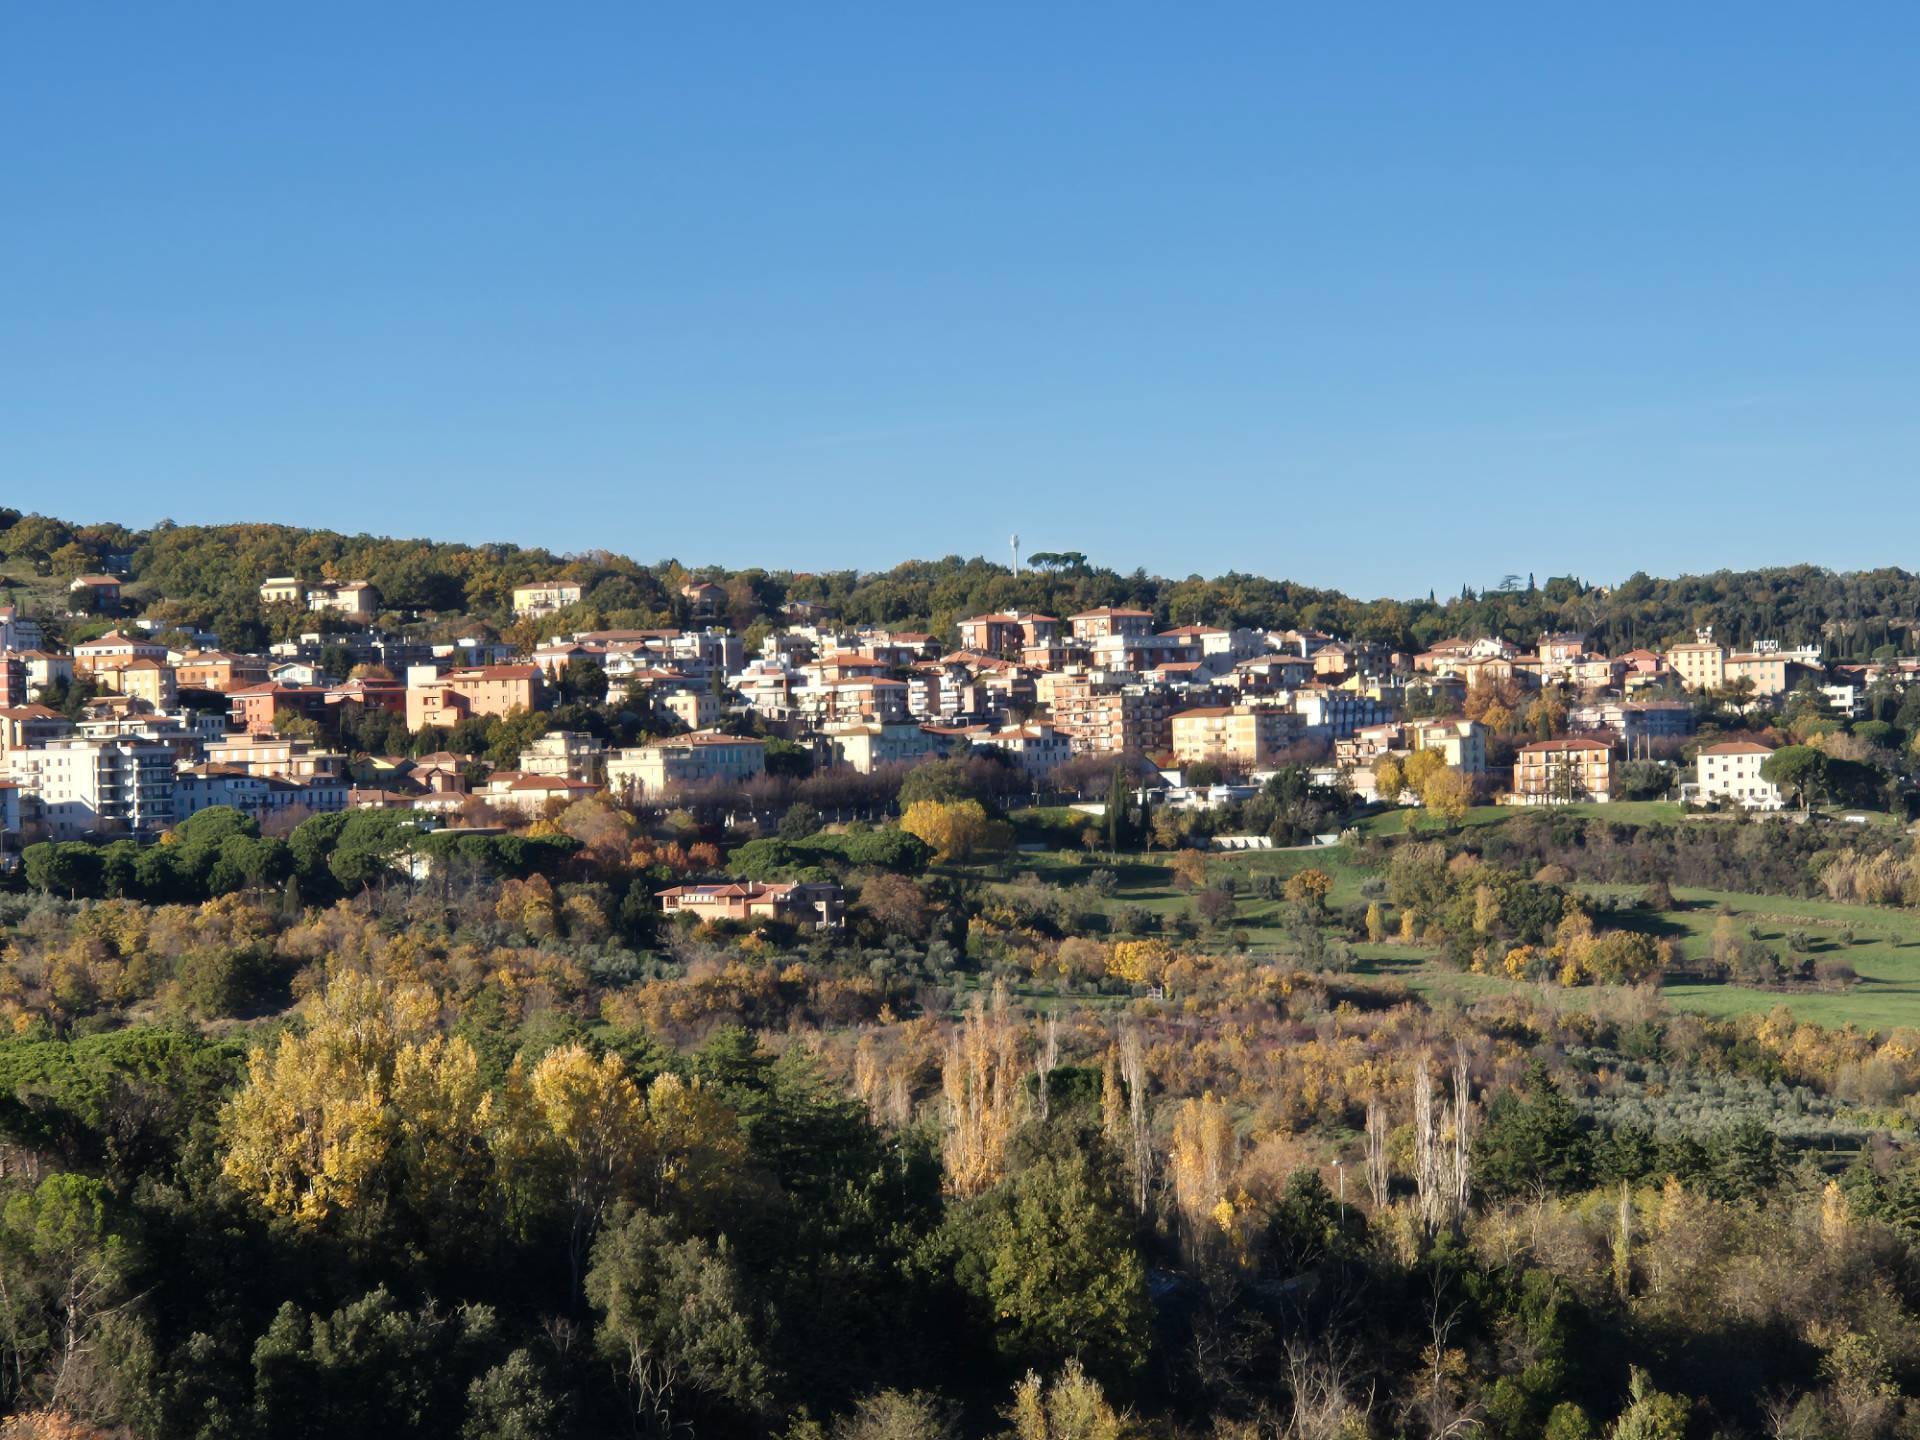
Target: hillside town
{"type": "Point", "coordinates": [132, 726]}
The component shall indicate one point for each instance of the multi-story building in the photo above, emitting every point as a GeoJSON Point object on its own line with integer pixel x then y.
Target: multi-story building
{"type": "Point", "coordinates": [566, 754]}
{"type": "Point", "coordinates": [477, 690]}
{"type": "Point", "coordinates": [1731, 771]}
{"type": "Point", "coordinates": [355, 599]}
{"type": "Point", "coordinates": [1005, 633]}
{"type": "Point", "coordinates": [258, 708]}
{"type": "Point", "coordinates": [648, 771]}
{"type": "Point", "coordinates": [219, 670]}
{"type": "Point", "coordinates": [201, 787]}
{"type": "Point", "coordinates": [543, 597]}
{"type": "Point", "coordinates": [1038, 750]}
{"type": "Point", "coordinates": [275, 756]}
{"type": "Point", "coordinates": [18, 631]}
{"type": "Point", "coordinates": [95, 594]}
{"type": "Point", "coordinates": [1329, 714]}
{"type": "Point", "coordinates": [868, 747]}
{"type": "Point", "coordinates": [1241, 735]}
{"type": "Point", "coordinates": [1461, 743]}
{"type": "Point", "coordinates": [1635, 721]}
{"type": "Point", "coordinates": [1105, 717]}
{"type": "Point", "coordinates": [1557, 772]}
{"type": "Point", "coordinates": [143, 679]}
{"type": "Point", "coordinates": [695, 709]}
{"type": "Point", "coordinates": [1090, 625]}
{"type": "Point", "coordinates": [81, 789]}
{"type": "Point", "coordinates": [114, 650]}
{"type": "Point", "coordinates": [24, 727]}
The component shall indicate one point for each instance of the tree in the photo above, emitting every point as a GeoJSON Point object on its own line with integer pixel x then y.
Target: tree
{"type": "Point", "coordinates": [955, 830]}
{"type": "Point", "coordinates": [1070, 1407]}
{"type": "Point", "coordinates": [62, 1278]}
{"type": "Point", "coordinates": [1447, 795]}
{"type": "Point", "coordinates": [1532, 1140]}
{"type": "Point", "coordinates": [371, 1102]}
{"type": "Point", "coordinates": [670, 1313]}
{"type": "Point", "coordinates": [1310, 887]}
{"type": "Point", "coordinates": [1048, 1257]}
{"type": "Point", "coordinates": [1650, 1415]}
{"type": "Point", "coordinates": [899, 1415]}
{"type": "Point", "coordinates": [1799, 770]}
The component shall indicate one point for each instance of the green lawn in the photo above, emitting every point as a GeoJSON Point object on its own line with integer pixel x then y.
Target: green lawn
{"type": "Point", "coordinates": [1885, 950]}
{"type": "Point", "coordinates": [1621, 812]}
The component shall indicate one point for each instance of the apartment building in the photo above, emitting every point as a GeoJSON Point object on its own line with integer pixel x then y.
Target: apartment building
{"type": "Point", "coordinates": [201, 787]}
{"type": "Point", "coordinates": [651, 770]}
{"type": "Point", "coordinates": [567, 755]}
{"type": "Point", "coordinates": [23, 727]}
{"type": "Point", "coordinates": [283, 756]}
{"type": "Point", "coordinates": [1330, 714]}
{"type": "Point", "coordinates": [1461, 743]}
{"type": "Point", "coordinates": [1101, 717]}
{"type": "Point", "coordinates": [1091, 625]}
{"type": "Point", "coordinates": [868, 747]}
{"type": "Point", "coordinates": [78, 789]}
{"type": "Point", "coordinates": [219, 670]}
{"type": "Point", "coordinates": [543, 597]}
{"type": "Point", "coordinates": [1731, 771]}
{"type": "Point", "coordinates": [149, 681]}
{"type": "Point", "coordinates": [1239, 735]}
{"type": "Point", "coordinates": [1005, 633]}
{"type": "Point", "coordinates": [475, 690]}
{"type": "Point", "coordinates": [1555, 772]}
{"type": "Point", "coordinates": [1038, 750]}
{"type": "Point", "coordinates": [258, 708]}
{"type": "Point", "coordinates": [114, 650]}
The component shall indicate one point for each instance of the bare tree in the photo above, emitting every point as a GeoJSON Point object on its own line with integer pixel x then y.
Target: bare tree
{"type": "Point", "coordinates": [1133, 1072]}
{"type": "Point", "coordinates": [1442, 1141]}
{"type": "Point", "coordinates": [1378, 1178]}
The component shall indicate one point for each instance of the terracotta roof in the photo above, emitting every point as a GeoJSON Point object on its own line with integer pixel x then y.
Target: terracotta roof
{"type": "Point", "coordinates": [1111, 611]}
{"type": "Point", "coordinates": [1554, 747]}
{"type": "Point", "coordinates": [1738, 747]}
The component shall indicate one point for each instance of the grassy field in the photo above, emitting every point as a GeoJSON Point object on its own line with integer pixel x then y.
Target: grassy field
{"type": "Point", "coordinates": [1622, 812]}
{"type": "Point", "coordinates": [1884, 949]}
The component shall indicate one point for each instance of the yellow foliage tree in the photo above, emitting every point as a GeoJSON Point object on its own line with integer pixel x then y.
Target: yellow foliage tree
{"type": "Point", "coordinates": [372, 1084]}
{"type": "Point", "coordinates": [1140, 962]}
{"type": "Point", "coordinates": [981, 1083]}
{"type": "Point", "coordinates": [1388, 779]}
{"type": "Point", "coordinates": [1420, 767]}
{"type": "Point", "coordinates": [954, 829]}
{"type": "Point", "coordinates": [1309, 887]}
{"type": "Point", "coordinates": [1448, 795]}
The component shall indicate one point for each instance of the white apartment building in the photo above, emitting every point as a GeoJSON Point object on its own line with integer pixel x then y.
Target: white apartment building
{"type": "Point", "coordinates": [648, 771]}
{"type": "Point", "coordinates": [1731, 771]}
{"type": "Point", "coordinates": [77, 789]}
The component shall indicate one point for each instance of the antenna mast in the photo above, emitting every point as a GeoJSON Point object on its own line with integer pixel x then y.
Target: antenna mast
{"type": "Point", "coordinates": [1016, 552]}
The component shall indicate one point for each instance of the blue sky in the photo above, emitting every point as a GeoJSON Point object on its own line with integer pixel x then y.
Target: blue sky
{"type": "Point", "coordinates": [1385, 297]}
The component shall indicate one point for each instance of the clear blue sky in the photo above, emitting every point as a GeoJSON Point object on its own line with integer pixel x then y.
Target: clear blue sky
{"type": "Point", "coordinates": [1375, 296]}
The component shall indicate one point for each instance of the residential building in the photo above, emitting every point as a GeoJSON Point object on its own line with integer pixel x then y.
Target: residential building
{"type": "Point", "coordinates": [258, 708]}
{"type": "Point", "coordinates": [695, 709]}
{"type": "Point", "coordinates": [1461, 743]}
{"type": "Point", "coordinates": [143, 679]}
{"type": "Point", "coordinates": [113, 650]}
{"type": "Point", "coordinates": [704, 597]}
{"type": "Point", "coordinates": [1241, 735]}
{"type": "Point", "coordinates": [1005, 633]}
{"type": "Point", "coordinates": [747, 900]}
{"type": "Point", "coordinates": [1634, 722]}
{"type": "Point", "coordinates": [650, 770]}
{"type": "Point", "coordinates": [1038, 750]}
{"type": "Point", "coordinates": [95, 594]}
{"type": "Point", "coordinates": [201, 787]}
{"type": "Point", "coordinates": [532, 794]}
{"type": "Point", "coordinates": [1107, 717]}
{"type": "Point", "coordinates": [543, 597]}
{"type": "Point", "coordinates": [24, 727]}
{"type": "Point", "coordinates": [18, 631]}
{"type": "Point", "coordinates": [81, 789]}
{"type": "Point", "coordinates": [283, 590]}
{"type": "Point", "coordinates": [286, 756]}
{"type": "Point", "coordinates": [1550, 772]}
{"type": "Point", "coordinates": [567, 754]}
{"type": "Point", "coordinates": [866, 747]}
{"type": "Point", "coordinates": [1090, 625]}
{"type": "Point", "coordinates": [9, 815]}
{"type": "Point", "coordinates": [356, 599]}
{"type": "Point", "coordinates": [1731, 771]}
{"type": "Point", "coordinates": [477, 690]}
{"type": "Point", "coordinates": [219, 670]}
